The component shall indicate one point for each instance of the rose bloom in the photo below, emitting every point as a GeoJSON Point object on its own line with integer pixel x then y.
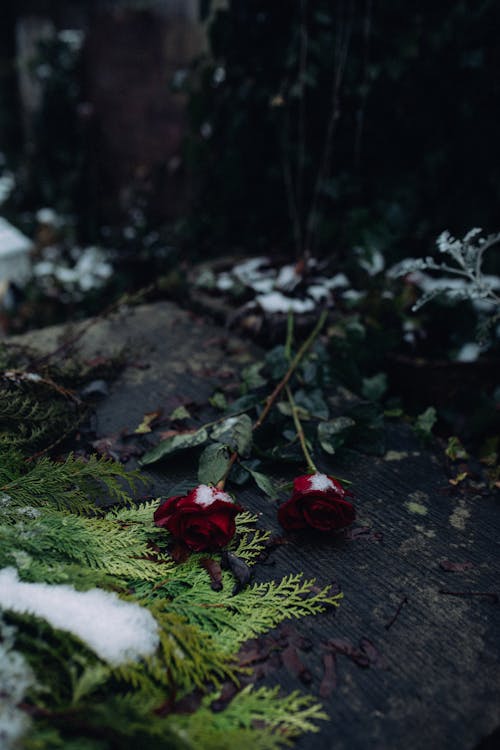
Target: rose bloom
{"type": "Point", "coordinates": [318, 502]}
{"type": "Point", "coordinates": [203, 519]}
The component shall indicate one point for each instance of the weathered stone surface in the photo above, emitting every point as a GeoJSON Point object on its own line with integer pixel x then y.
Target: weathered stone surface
{"type": "Point", "coordinates": [437, 680]}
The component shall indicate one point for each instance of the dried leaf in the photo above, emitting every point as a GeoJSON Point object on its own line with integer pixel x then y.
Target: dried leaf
{"type": "Point", "coordinates": [459, 478]}
{"type": "Point", "coordinates": [329, 681]}
{"type": "Point", "coordinates": [455, 567]}
{"type": "Point", "coordinates": [238, 568]}
{"type": "Point", "coordinates": [147, 422]}
{"type": "Point", "coordinates": [294, 665]}
{"type": "Point", "coordinates": [214, 570]}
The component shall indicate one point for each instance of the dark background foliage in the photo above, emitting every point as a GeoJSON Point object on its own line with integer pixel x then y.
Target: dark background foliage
{"type": "Point", "coordinates": [415, 111]}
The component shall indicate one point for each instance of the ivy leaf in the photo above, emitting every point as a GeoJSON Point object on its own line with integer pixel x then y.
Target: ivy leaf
{"type": "Point", "coordinates": [218, 401]}
{"type": "Point", "coordinates": [236, 432]}
{"type": "Point", "coordinates": [243, 403]}
{"type": "Point", "coordinates": [173, 444]}
{"type": "Point", "coordinates": [252, 377]}
{"type": "Point", "coordinates": [277, 362]}
{"type": "Point", "coordinates": [455, 450]}
{"type": "Point", "coordinates": [368, 433]}
{"type": "Point", "coordinates": [313, 402]}
{"type": "Point", "coordinates": [263, 482]}
{"type": "Point", "coordinates": [331, 434]}
{"type": "Point", "coordinates": [214, 463]}
{"type": "Point", "coordinates": [374, 388]}
{"type": "Point", "coordinates": [425, 422]}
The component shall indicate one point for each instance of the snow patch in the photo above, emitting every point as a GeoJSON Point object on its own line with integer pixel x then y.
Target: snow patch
{"type": "Point", "coordinates": [277, 302]}
{"type": "Point", "coordinates": [469, 352]}
{"type": "Point", "coordinates": [320, 482]}
{"type": "Point", "coordinates": [205, 495]}
{"type": "Point", "coordinates": [16, 678]}
{"type": "Point", "coordinates": [117, 631]}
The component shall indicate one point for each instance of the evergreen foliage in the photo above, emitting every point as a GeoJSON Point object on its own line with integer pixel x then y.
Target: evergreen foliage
{"type": "Point", "coordinates": [52, 532]}
{"type": "Point", "coordinates": [28, 420]}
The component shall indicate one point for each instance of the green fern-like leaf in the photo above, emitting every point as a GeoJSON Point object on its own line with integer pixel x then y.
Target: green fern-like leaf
{"type": "Point", "coordinates": [74, 485]}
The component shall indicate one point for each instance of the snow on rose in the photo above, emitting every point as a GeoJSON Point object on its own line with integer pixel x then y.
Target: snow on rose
{"type": "Point", "coordinates": [203, 519]}
{"type": "Point", "coordinates": [317, 502]}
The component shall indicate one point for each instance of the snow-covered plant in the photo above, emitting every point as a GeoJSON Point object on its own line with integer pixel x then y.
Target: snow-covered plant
{"type": "Point", "coordinates": [464, 277]}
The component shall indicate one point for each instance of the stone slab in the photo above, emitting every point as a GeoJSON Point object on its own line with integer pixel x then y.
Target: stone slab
{"type": "Point", "coordinates": [437, 682]}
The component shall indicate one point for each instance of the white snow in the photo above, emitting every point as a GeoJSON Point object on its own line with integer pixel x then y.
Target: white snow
{"type": "Point", "coordinates": [469, 352]}
{"type": "Point", "coordinates": [14, 253]}
{"type": "Point", "coordinates": [277, 302]}
{"type": "Point", "coordinates": [90, 271]}
{"type": "Point", "coordinates": [288, 278]}
{"type": "Point", "coordinates": [224, 282]}
{"type": "Point", "coordinates": [7, 185]}
{"type": "Point", "coordinates": [16, 677]}
{"type": "Point", "coordinates": [48, 216]}
{"type": "Point", "coordinates": [320, 482]}
{"type": "Point", "coordinates": [117, 631]}
{"type": "Point", "coordinates": [205, 496]}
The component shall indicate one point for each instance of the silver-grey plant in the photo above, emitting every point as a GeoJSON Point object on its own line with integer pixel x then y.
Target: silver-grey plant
{"type": "Point", "coordinates": [466, 279]}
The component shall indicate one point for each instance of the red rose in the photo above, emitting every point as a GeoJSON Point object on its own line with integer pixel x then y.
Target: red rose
{"type": "Point", "coordinates": [317, 502]}
{"type": "Point", "coordinates": [203, 519]}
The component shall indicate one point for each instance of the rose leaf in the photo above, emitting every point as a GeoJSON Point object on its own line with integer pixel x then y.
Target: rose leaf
{"type": "Point", "coordinates": [236, 432]}
{"type": "Point", "coordinates": [173, 444]}
{"type": "Point", "coordinates": [214, 463]}
{"type": "Point", "coordinates": [331, 434]}
{"type": "Point", "coordinates": [263, 482]}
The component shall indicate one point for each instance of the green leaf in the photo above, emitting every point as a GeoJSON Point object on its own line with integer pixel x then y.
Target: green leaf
{"type": "Point", "coordinates": [393, 413]}
{"type": "Point", "coordinates": [455, 450]}
{"type": "Point", "coordinates": [285, 408]}
{"type": "Point", "coordinates": [218, 401]}
{"type": "Point", "coordinates": [263, 482]}
{"type": "Point", "coordinates": [244, 403]}
{"type": "Point", "coordinates": [313, 402]}
{"type": "Point", "coordinates": [368, 433]}
{"type": "Point", "coordinates": [173, 444]}
{"type": "Point", "coordinates": [214, 463]}
{"type": "Point", "coordinates": [331, 435]}
{"type": "Point", "coordinates": [252, 377]}
{"type": "Point", "coordinates": [236, 432]}
{"type": "Point", "coordinates": [374, 388]}
{"type": "Point", "coordinates": [425, 422]}
{"type": "Point", "coordinates": [238, 474]}
{"type": "Point", "coordinates": [180, 413]}
{"type": "Point", "coordinates": [277, 362]}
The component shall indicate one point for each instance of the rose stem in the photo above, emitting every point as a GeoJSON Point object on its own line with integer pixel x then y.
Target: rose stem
{"type": "Point", "coordinates": [232, 460]}
{"type": "Point", "coordinates": [293, 366]}
{"type": "Point", "coordinates": [311, 468]}
{"type": "Point", "coordinates": [283, 384]}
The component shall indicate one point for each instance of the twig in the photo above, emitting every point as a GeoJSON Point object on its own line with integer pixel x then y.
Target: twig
{"type": "Point", "coordinates": [393, 619]}
{"type": "Point", "coordinates": [293, 366]}
{"type": "Point", "coordinates": [487, 594]}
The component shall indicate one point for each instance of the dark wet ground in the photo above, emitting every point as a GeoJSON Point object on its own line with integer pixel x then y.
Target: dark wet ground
{"type": "Point", "coordinates": [400, 664]}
